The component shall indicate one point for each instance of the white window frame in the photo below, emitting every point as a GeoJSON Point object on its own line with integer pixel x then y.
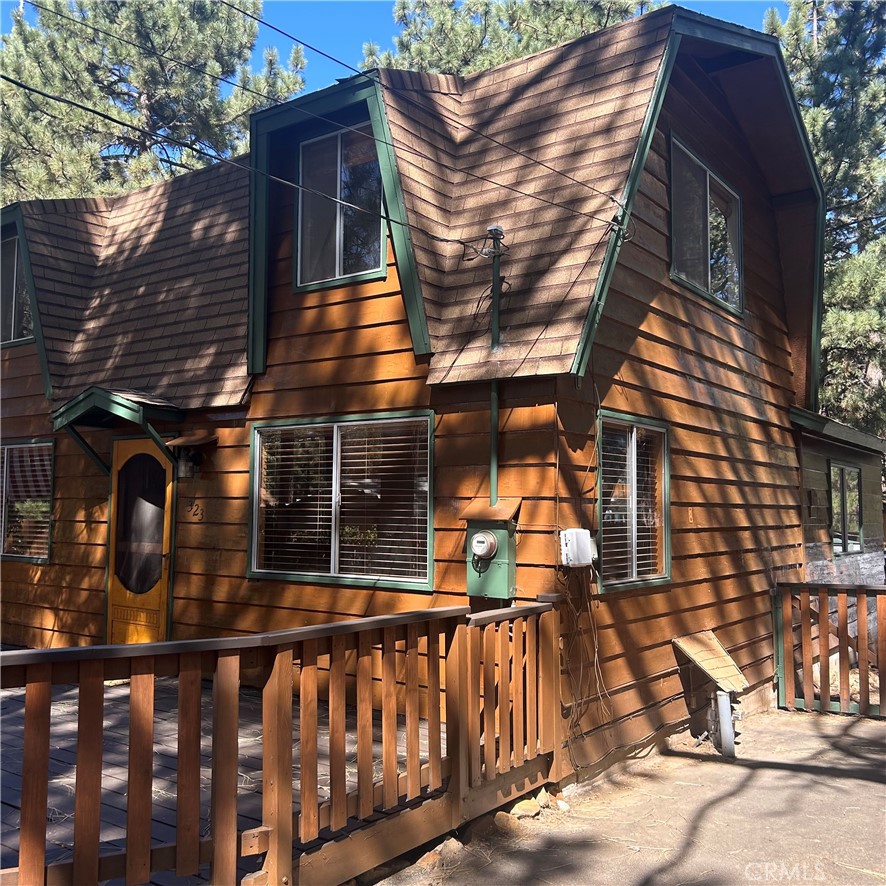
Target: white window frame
{"type": "Point", "coordinates": [339, 225]}
{"type": "Point", "coordinates": [338, 425]}
{"type": "Point", "coordinates": [677, 145]}
{"type": "Point", "coordinates": [4, 501]}
{"type": "Point", "coordinates": [633, 425]}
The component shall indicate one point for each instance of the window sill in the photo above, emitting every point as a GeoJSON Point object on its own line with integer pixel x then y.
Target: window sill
{"type": "Point", "coordinates": [693, 287]}
{"type": "Point", "coordinates": [340, 282]}
{"type": "Point", "coordinates": [17, 341]}
{"type": "Point", "coordinates": [418, 585]}
{"type": "Point", "coordinates": [22, 558]}
{"type": "Point", "coordinates": [633, 584]}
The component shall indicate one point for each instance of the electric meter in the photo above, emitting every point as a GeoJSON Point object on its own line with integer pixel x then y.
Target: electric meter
{"type": "Point", "coordinates": [484, 544]}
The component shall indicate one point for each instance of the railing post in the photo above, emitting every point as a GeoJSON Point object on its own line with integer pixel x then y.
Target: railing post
{"type": "Point", "coordinates": [551, 722]}
{"type": "Point", "coordinates": [456, 719]}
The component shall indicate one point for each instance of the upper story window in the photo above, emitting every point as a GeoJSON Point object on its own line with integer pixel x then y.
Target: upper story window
{"type": "Point", "coordinates": [337, 240]}
{"type": "Point", "coordinates": [846, 509]}
{"type": "Point", "coordinates": [705, 229]}
{"type": "Point", "coordinates": [347, 499]}
{"type": "Point", "coordinates": [26, 496]}
{"type": "Point", "coordinates": [15, 303]}
{"type": "Point", "coordinates": [633, 503]}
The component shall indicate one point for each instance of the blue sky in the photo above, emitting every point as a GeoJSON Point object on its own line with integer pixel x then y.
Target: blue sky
{"type": "Point", "coordinates": [341, 27]}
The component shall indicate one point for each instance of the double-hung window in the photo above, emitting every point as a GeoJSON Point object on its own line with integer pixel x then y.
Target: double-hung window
{"type": "Point", "coordinates": [633, 504]}
{"type": "Point", "coordinates": [846, 509]}
{"type": "Point", "coordinates": [347, 498]}
{"type": "Point", "coordinates": [15, 304]}
{"type": "Point", "coordinates": [705, 230]}
{"type": "Point", "coordinates": [26, 494]}
{"type": "Point", "coordinates": [340, 230]}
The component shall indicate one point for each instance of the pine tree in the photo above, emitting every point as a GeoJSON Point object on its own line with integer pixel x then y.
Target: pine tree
{"type": "Point", "coordinates": [452, 37]}
{"type": "Point", "coordinates": [135, 69]}
{"type": "Point", "coordinates": [836, 57]}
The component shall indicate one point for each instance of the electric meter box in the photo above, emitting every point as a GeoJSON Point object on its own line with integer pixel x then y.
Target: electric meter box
{"type": "Point", "coordinates": [492, 559]}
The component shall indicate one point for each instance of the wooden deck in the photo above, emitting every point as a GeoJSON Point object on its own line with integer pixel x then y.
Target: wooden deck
{"type": "Point", "coordinates": [115, 754]}
{"type": "Point", "coordinates": [160, 764]}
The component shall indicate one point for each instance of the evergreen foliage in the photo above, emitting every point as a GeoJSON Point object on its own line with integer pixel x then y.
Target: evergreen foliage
{"type": "Point", "coordinates": [836, 57]}
{"type": "Point", "coordinates": [53, 150]}
{"type": "Point", "coordinates": [452, 37]}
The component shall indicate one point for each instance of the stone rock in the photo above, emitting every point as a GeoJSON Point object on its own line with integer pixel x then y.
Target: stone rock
{"type": "Point", "coordinates": [543, 798]}
{"type": "Point", "coordinates": [527, 808]}
{"type": "Point", "coordinates": [450, 850]}
{"type": "Point", "coordinates": [430, 860]}
{"type": "Point", "coordinates": [478, 828]}
{"type": "Point", "coordinates": [508, 825]}
{"type": "Point", "coordinates": [563, 806]}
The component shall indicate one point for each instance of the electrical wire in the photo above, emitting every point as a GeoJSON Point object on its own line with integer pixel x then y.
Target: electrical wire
{"type": "Point", "coordinates": [226, 161]}
{"type": "Point", "coordinates": [613, 222]}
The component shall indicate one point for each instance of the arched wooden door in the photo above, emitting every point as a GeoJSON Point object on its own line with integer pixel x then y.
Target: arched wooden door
{"type": "Point", "coordinates": [140, 544]}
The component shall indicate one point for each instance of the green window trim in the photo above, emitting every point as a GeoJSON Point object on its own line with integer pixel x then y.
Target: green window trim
{"type": "Point", "coordinates": [49, 496]}
{"type": "Point", "coordinates": [845, 509]}
{"type": "Point", "coordinates": [735, 237]}
{"type": "Point", "coordinates": [424, 584]}
{"type": "Point", "coordinates": [611, 418]}
{"type": "Point", "coordinates": [360, 94]}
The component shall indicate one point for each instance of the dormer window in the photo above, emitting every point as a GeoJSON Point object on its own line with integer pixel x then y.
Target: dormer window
{"type": "Point", "coordinates": [338, 240]}
{"type": "Point", "coordinates": [15, 303]}
{"type": "Point", "coordinates": [705, 230]}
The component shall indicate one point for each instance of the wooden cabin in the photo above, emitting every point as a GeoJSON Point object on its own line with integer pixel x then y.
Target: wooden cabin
{"type": "Point", "coordinates": [427, 318]}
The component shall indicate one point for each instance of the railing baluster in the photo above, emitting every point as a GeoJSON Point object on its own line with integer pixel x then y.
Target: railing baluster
{"type": "Point", "coordinates": [504, 697]}
{"type": "Point", "coordinates": [389, 718]}
{"type": "Point", "coordinates": [413, 750]}
{"type": "Point", "coordinates": [225, 735]}
{"type": "Point", "coordinates": [864, 688]}
{"type": "Point", "coordinates": [518, 675]}
{"type": "Point", "coordinates": [435, 773]}
{"type": "Point", "coordinates": [88, 784]}
{"type": "Point", "coordinates": [489, 701]}
{"type": "Point", "coordinates": [337, 774]}
{"type": "Point", "coordinates": [277, 764]}
{"type": "Point", "coordinates": [456, 731]}
{"type": "Point", "coordinates": [473, 702]}
{"type": "Point", "coordinates": [35, 774]}
{"type": "Point", "coordinates": [307, 725]}
{"type": "Point", "coordinates": [824, 650]}
{"type": "Point", "coordinates": [187, 813]}
{"type": "Point", "coordinates": [881, 649]}
{"type": "Point", "coordinates": [532, 698]}
{"type": "Point", "coordinates": [787, 634]}
{"type": "Point", "coordinates": [364, 725]}
{"type": "Point", "coordinates": [139, 795]}
{"type": "Point", "coordinates": [843, 639]}
{"type": "Point", "coordinates": [806, 649]}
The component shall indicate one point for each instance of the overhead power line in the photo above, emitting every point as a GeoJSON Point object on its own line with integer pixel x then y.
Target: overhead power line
{"type": "Point", "coordinates": [211, 156]}
{"type": "Point", "coordinates": [401, 146]}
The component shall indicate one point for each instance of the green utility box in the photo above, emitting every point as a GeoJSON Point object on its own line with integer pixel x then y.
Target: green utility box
{"type": "Point", "coordinates": [492, 559]}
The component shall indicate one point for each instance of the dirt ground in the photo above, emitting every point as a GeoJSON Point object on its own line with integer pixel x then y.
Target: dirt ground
{"type": "Point", "coordinates": [804, 802]}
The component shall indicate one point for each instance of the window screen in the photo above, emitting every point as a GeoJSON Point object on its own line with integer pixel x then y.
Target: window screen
{"type": "Point", "coordinates": [16, 321]}
{"type": "Point", "coordinates": [26, 481]}
{"type": "Point", "coordinates": [347, 498]}
{"type": "Point", "coordinates": [632, 503]}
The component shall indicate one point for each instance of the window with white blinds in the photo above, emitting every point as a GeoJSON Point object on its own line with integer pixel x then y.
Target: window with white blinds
{"type": "Point", "coordinates": [632, 503]}
{"type": "Point", "coordinates": [26, 494]}
{"type": "Point", "coordinates": [346, 499]}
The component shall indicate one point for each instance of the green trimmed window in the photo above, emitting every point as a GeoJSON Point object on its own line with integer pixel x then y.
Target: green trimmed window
{"type": "Point", "coordinates": [705, 229]}
{"type": "Point", "coordinates": [15, 304]}
{"type": "Point", "coordinates": [26, 495]}
{"type": "Point", "coordinates": [633, 520]}
{"type": "Point", "coordinates": [846, 509]}
{"type": "Point", "coordinates": [343, 499]}
{"type": "Point", "coordinates": [345, 238]}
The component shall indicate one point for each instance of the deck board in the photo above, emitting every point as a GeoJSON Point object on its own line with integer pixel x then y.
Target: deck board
{"type": "Point", "coordinates": [115, 758]}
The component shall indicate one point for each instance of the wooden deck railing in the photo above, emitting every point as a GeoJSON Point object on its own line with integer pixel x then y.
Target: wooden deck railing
{"type": "Point", "coordinates": [468, 713]}
{"type": "Point", "coordinates": [815, 623]}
